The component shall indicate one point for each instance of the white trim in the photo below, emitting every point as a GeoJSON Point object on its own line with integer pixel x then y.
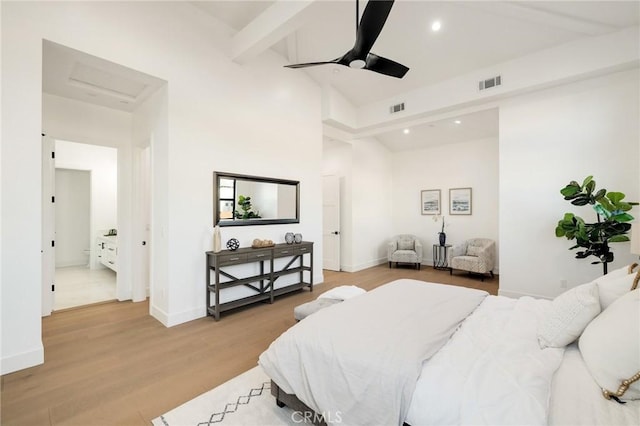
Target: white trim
{"type": "Point", "coordinates": [23, 360]}
{"type": "Point", "coordinates": [361, 266]}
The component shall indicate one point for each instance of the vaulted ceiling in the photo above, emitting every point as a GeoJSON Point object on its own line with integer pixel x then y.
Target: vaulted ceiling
{"type": "Point", "coordinates": [472, 35]}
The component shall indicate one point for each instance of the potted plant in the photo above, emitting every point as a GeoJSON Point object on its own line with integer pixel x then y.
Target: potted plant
{"type": "Point", "coordinates": [245, 205]}
{"type": "Point", "coordinates": [612, 221]}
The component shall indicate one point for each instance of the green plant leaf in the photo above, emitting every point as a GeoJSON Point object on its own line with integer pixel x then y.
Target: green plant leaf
{"type": "Point", "coordinates": [606, 204]}
{"type": "Point", "coordinates": [570, 190]}
{"type": "Point", "coordinates": [622, 217]}
{"type": "Point", "coordinates": [618, 239]}
{"type": "Point", "coordinates": [580, 201]}
{"type": "Point", "coordinates": [602, 211]}
{"type": "Point", "coordinates": [590, 186]}
{"type": "Point", "coordinates": [615, 197]}
{"type": "Point", "coordinates": [587, 180]}
{"type": "Point", "coordinates": [601, 193]}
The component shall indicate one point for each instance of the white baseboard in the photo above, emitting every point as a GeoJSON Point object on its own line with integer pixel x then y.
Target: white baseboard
{"type": "Point", "coordinates": [169, 320]}
{"type": "Point", "coordinates": [361, 266]}
{"type": "Point", "coordinates": [23, 360]}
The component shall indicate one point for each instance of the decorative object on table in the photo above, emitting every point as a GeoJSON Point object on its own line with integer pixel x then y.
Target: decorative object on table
{"type": "Point", "coordinates": [258, 243]}
{"type": "Point", "coordinates": [217, 239]}
{"type": "Point", "coordinates": [612, 221]}
{"type": "Point", "coordinates": [247, 212]}
{"type": "Point", "coordinates": [289, 237]}
{"type": "Point", "coordinates": [442, 237]}
{"type": "Point", "coordinates": [430, 201]}
{"type": "Point", "coordinates": [297, 238]}
{"type": "Point", "coordinates": [460, 201]}
{"type": "Point", "coordinates": [233, 244]}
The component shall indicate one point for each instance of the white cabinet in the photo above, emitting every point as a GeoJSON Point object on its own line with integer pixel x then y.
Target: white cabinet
{"type": "Point", "coordinates": [108, 252]}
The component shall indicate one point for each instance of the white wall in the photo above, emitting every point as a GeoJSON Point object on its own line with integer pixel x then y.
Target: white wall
{"type": "Point", "coordinates": [467, 164]}
{"type": "Point", "coordinates": [71, 120]}
{"type": "Point", "coordinates": [258, 119]}
{"type": "Point", "coordinates": [372, 188]}
{"type": "Point", "coordinates": [548, 139]}
{"type": "Point", "coordinates": [102, 163]}
{"type": "Point", "coordinates": [73, 217]}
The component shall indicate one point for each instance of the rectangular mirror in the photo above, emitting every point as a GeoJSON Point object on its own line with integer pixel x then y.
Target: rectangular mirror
{"type": "Point", "coordinates": [254, 200]}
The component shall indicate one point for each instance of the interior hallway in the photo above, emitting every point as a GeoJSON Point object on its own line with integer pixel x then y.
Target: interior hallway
{"type": "Point", "coordinates": [79, 286]}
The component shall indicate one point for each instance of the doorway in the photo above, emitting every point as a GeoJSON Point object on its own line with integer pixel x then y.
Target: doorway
{"type": "Point", "coordinates": [85, 182]}
{"type": "Point", "coordinates": [331, 223]}
{"type": "Point", "coordinates": [97, 103]}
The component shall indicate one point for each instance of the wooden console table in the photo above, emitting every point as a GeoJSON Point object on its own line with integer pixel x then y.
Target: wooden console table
{"type": "Point", "coordinates": [262, 284]}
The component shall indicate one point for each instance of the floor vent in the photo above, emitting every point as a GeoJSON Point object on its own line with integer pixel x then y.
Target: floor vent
{"type": "Point", "coordinates": [490, 82]}
{"type": "Point", "coordinates": [396, 108]}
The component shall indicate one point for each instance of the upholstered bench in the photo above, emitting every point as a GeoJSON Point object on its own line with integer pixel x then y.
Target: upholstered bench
{"type": "Point", "coordinates": [325, 300]}
{"type": "Point", "coordinates": [302, 311]}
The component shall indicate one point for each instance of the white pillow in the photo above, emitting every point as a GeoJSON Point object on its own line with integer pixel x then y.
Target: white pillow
{"type": "Point", "coordinates": [616, 273]}
{"type": "Point", "coordinates": [568, 316]}
{"type": "Point", "coordinates": [612, 287]}
{"type": "Point", "coordinates": [610, 345]}
{"type": "Point", "coordinates": [474, 251]}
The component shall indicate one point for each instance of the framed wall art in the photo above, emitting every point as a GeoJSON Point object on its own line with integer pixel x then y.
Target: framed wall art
{"type": "Point", "coordinates": [460, 201]}
{"type": "Point", "coordinates": [430, 201]}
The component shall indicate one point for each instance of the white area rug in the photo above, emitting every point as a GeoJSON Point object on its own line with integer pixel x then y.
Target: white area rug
{"type": "Point", "coordinates": [243, 400]}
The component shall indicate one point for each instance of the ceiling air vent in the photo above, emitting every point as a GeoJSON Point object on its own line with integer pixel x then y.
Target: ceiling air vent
{"type": "Point", "coordinates": [490, 82]}
{"type": "Point", "coordinates": [396, 108]}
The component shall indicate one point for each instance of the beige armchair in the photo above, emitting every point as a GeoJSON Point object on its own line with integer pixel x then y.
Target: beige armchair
{"type": "Point", "coordinates": [405, 248]}
{"type": "Point", "coordinates": [477, 255]}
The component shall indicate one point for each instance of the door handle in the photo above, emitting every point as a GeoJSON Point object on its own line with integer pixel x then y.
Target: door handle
{"type": "Point", "coordinates": [336, 232]}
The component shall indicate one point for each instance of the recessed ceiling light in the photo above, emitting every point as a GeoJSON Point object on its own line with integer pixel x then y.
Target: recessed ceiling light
{"type": "Point", "coordinates": [406, 131]}
{"type": "Point", "coordinates": [457, 121]}
{"type": "Point", "coordinates": [436, 25]}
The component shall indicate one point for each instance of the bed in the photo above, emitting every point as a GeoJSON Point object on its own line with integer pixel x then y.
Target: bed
{"type": "Point", "coordinates": [418, 353]}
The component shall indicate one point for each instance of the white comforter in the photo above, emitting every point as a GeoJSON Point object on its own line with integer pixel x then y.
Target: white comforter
{"type": "Point", "coordinates": [357, 362]}
{"type": "Point", "coordinates": [491, 372]}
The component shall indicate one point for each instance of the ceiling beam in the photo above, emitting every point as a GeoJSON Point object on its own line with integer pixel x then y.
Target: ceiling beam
{"type": "Point", "coordinates": [275, 23]}
{"type": "Point", "coordinates": [528, 12]}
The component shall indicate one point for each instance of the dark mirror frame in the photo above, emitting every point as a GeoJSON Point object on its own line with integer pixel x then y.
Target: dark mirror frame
{"type": "Point", "coordinates": [247, 222]}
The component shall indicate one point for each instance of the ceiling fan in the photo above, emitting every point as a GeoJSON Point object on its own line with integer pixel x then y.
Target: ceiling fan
{"type": "Point", "coordinates": [367, 31]}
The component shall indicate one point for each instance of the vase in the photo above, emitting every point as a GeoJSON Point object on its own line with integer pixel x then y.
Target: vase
{"type": "Point", "coordinates": [443, 238]}
{"type": "Point", "coordinates": [217, 239]}
{"type": "Point", "coordinates": [289, 237]}
{"type": "Point", "coordinates": [297, 238]}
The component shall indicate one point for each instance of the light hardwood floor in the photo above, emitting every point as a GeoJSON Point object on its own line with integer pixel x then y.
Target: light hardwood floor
{"type": "Point", "coordinates": [113, 364]}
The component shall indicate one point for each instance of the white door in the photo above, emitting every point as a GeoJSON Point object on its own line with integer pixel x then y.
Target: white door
{"type": "Point", "coordinates": [141, 223]}
{"type": "Point", "coordinates": [331, 223]}
{"type": "Point", "coordinates": [48, 224]}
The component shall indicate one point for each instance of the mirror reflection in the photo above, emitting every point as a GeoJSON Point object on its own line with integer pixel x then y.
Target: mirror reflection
{"type": "Point", "coordinates": [254, 200]}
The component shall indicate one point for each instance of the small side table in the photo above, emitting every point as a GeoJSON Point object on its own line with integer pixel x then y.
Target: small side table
{"type": "Point", "coordinates": [441, 257]}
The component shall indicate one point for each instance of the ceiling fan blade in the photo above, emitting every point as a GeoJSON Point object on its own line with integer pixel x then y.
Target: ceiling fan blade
{"type": "Point", "coordinates": [311, 64]}
{"type": "Point", "coordinates": [385, 66]}
{"type": "Point", "coordinates": [373, 18]}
